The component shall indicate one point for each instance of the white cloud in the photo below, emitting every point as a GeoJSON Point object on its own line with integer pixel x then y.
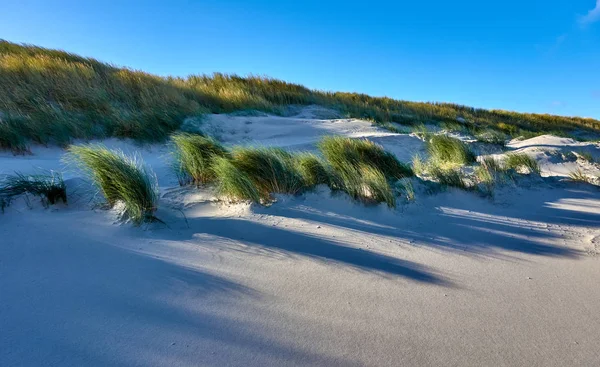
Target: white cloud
{"type": "Point", "coordinates": [592, 16]}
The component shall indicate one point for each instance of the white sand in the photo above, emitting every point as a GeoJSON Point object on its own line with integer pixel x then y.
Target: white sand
{"type": "Point", "coordinates": [452, 279]}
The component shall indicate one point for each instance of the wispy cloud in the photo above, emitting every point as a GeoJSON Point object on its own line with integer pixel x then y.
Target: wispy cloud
{"type": "Point", "coordinates": [592, 16]}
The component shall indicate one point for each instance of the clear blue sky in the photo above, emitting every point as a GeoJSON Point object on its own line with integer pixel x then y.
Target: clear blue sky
{"type": "Point", "coordinates": [523, 55]}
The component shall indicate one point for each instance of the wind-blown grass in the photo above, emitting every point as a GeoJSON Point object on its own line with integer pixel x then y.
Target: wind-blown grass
{"type": "Point", "coordinates": [446, 150]}
{"type": "Point", "coordinates": [489, 172]}
{"type": "Point", "coordinates": [313, 169]}
{"type": "Point", "coordinates": [271, 170]}
{"type": "Point", "coordinates": [521, 161]}
{"type": "Point", "coordinates": [194, 155]}
{"type": "Point", "coordinates": [51, 96]}
{"type": "Point", "coordinates": [341, 152]}
{"type": "Point", "coordinates": [49, 187]}
{"type": "Point", "coordinates": [233, 182]}
{"type": "Point", "coordinates": [120, 179]}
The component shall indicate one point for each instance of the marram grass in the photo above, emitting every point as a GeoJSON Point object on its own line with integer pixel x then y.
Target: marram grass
{"type": "Point", "coordinates": [520, 162]}
{"type": "Point", "coordinates": [120, 178]}
{"type": "Point", "coordinates": [232, 182]}
{"type": "Point", "coordinates": [49, 187]}
{"type": "Point", "coordinates": [272, 170]}
{"type": "Point", "coordinates": [52, 96]}
{"type": "Point", "coordinates": [341, 152]}
{"type": "Point", "coordinates": [446, 150]}
{"type": "Point", "coordinates": [193, 157]}
{"type": "Point", "coordinates": [312, 169]}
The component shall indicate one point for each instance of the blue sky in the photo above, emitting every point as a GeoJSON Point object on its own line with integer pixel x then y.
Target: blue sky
{"type": "Point", "coordinates": [526, 55]}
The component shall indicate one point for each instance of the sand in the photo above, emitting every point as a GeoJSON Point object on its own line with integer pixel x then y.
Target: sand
{"type": "Point", "coordinates": [452, 279]}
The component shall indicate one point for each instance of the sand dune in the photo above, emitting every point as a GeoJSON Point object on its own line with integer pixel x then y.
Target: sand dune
{"type": "Point", "coordinates": [452, 279]}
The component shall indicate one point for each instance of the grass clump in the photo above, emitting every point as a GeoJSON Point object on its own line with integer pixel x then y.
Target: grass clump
{"type": "Point", "coordinates": [492, 137]}
{"type": "Point", "coordinates": [233, 182]}
{"type": "Point", "coordinates": [312, 169]}
{"type": "Point", "coordinates": [446, 150]}
{"type": "Point", "coordinates": [272, 170]}
{"type": "Point", "coordinates": [49, 187]}
{"type": "Point", "coordinates": [364, 183]}
{"type": "Point", "coordinates": [489, 171]}
{"type": "Point", "coordinates": [452, 177]}
{"type": "Point", "coordinates": [406, 188]}
{"type": "Point", "coordinates": [194, 154]}
{"type": "Point", "coordinates": [120, 179]}
{"type": "Point", "coordinates": [520, 162]}
{"type": "Point", "coordinates": [342, 152]}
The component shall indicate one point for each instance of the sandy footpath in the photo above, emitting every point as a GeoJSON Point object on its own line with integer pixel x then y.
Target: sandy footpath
{"type": "Point", "coordinates": [450, 280]}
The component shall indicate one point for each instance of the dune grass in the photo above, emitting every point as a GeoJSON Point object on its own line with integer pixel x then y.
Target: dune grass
{"type": "Point", "coordinates": [446, 150]}
{"type": "Point", "coordinates": [193, 157]}
{"type": "Point", "coordinates": [489, 172]}
{"type": "Point", "coordinates": [51, 97]}
{"type": "Point", "coordinates": [49, 187]}
{"type": "Point", "coordinates": [489, 136]}
{"type": "Point", "coordinates": [271, 170]}
{"type": "Point", "coordinates": [120, 179]}
{"type": "Point", "coordinates": [520, 162]}
{"type": "Point", "coordinates": [232, 182]}
{"type": "Point", "coordinates": [341, 152]}
{"type": "Point", "coordinates": [313, 170]}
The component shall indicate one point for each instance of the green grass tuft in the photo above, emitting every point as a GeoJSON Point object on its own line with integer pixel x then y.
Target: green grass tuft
{"type": "Point", "coordinates": [193, 155]}
{"type": "Point", "coordinates": [312, 169]}
{"type": "Point", "coordinates": [232, 182]}
{"type": "Point", "coordinates": [520, 162]}
{"type": "Point", "coordinates": [271, 169]}
{"type": "Point", "coordinates": [445, 150]}
{"type": "Point", "coordinates": [341, 152]}
{"type": "Point", "coordinates": [49, 187]}
{"type": "Point", "coordinates": [120, 179]}
{"type": "Point", "coordinates": [453, 177]}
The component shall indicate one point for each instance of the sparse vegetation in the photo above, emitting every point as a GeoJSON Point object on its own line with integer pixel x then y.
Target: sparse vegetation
{"type": "Point", "coordinates": [579, 176]}
{"type": "Point", "coordinates": [120, 179]}
{"type": "Point", "coordinates": [587, 156]}
{"type": "Point", "coordinates": [492, 137]}
{"type": "Point", "coordinates": [193, 157]}
{"type": "Point", "coordinates": [448, 151]}
{"type": "Point", "coordinates": [489, 172]}
{"type": "Point", "coordinates": [520, 162]}
{"type": "Point", "coordinates": [452, 177]}
{"type": "Point", "coordinates": [50, 97]}
{"type": "Point", "coordinates": [49, 187]}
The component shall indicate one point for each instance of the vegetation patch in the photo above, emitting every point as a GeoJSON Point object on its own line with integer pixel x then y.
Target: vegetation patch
{"type": "Point", "coordinates": [232, 182]}
{"type": "Point", "coordinates": [342, 152]}
{"type": "Point", "coordinates": [312, 169]}
{"type": "Point", "coordinates": [445, 150]}
{"type": "Point", "coordinates": [51, 97]}
{"type": "Point", "coordinates": [520, 162]}
{"type": "Point", "coordinates": [120, 179]}
{"type": "Point", "coordinates": [272, 170]}
{"type": "Point", "coordinates": [193, 157]}
{"type": "Point", "coordinates": [49, 187]}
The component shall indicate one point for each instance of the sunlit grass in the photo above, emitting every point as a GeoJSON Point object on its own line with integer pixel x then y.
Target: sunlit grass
{"type": "Point", "coordinates": [120, 179]}
{"type": "Point", "coordinates": [51, 97]}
